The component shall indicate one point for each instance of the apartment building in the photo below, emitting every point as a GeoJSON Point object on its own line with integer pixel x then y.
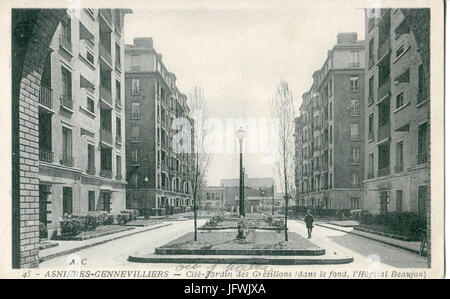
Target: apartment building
{"type": "Point", "coordinates": [213, 198]}
{"type": "Point", "coordinates": [81, 119]}
{"type": "Point", "coordinates": [329, 130]}
{"type": "Point", "coordinates": [397, 115]}
{"type": "Point", "coordinates": [159, 133]}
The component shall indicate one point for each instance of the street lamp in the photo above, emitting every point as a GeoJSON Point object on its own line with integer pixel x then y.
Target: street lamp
{"type": "Point", "coordinates": [240, 136]}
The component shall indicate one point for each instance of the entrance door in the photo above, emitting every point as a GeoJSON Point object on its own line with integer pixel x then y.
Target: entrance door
{"type": "Point", "coordinates": [384, 198]}
{"type": "Point", "coordinates": [106, 199]}
{"type": "Point", "coordinates": [43, 195]}
{"type": "Point", "coordinates": [67, 200]}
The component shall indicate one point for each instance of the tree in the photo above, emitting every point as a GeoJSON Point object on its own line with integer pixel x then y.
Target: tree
{"type": "Point", "coordinates": [283, 109]}
{"type": "Point", "coordinates": [200, 155]}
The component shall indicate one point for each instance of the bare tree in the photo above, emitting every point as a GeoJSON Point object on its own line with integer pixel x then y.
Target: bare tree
{"type": "Point", "coordinates": [200, 155]}
{"type": "Point", "coordinates": [283, 109]}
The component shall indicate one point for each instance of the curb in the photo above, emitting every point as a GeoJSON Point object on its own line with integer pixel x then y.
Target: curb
{"type": "Point", "coordinates": [69, 251]}
{"type": "Point", "coordinates": [388, 235]}
{"type": "Point", "coordinates": [372, 238]}
{"type": "Point", "coordinates": [260, 260]}
{"type": "Point", "coordinates": [236, 252]}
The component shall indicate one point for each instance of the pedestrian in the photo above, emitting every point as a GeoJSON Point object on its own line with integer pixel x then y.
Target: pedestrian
{"type": "Point", "coordinates": [309, 220]}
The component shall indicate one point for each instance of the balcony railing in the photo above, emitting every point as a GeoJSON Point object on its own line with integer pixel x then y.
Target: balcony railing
{"type": "Point", "coordinates": [421, 96]}
{"type": "Point", "coordinates": [67, 160]}
{"type": "Point", "coordinates": [398, 168]}
{"type": "Point", "coordinates": [353, 64]}
{"type": "Point", "coordinates": [45, 156]}
{"type": "Point", "coordinates": [383, 171]}
{"type": "Point", "coordinates": [370, 136]}
{"type": "Point", "coordinates": [371, 61]}
{"type": "Point", "coordinates": [90, 169]}
{"type": "Point", "coordinates": [384, 89]}
{"type": "Point", "coordinates": [105, 53]}
{"type": "Point", "coordinates": [106, 135]}
{"type": "Point", "coordinates": [106, 173]}
{"type": "Point", "coordinates": [66, 102]}
{"type": "Point", "coordinates": [107, 15]}
{"type": "Point", "coordinates": [370, 100]}
{"type": "Point", "coordinates": [384, 132]}
{"type": "Point", "coordinates": [46, 96]}
{"type": "Point", "coordinates": [105, 94]}
{"type": "Point", "coordinates": [63, 42]}
{"type": "Point", "coordinates": [383, 49]}
{"type": "Point", "coordinates": [422, 158]}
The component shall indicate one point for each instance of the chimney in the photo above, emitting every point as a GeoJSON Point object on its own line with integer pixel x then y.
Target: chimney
{"type": "Point", "coordinates": [143, 42]}
{"type": "Point", "coordinates": [347, 37]}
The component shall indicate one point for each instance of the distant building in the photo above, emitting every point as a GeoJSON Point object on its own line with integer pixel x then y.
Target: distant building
{"type": "Point", "coordinates": [81, 117]}
{"type": "Point", "coordinates": [159, 169]}
{"type": "Point", "coordinates": [397, 104]}
{"type": "Point", "coordinates": [212, 198]}
{"type": "Point", "coordinates": [329, 139]}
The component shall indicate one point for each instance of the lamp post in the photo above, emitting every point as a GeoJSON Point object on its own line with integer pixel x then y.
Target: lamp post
{"type": "Point", "coordinates": [240, 136]}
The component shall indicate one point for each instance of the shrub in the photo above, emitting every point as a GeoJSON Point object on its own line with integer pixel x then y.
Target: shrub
{"type": "Point", "coordinates": [214, 221]}
{"type": "Point", "coordinates": [242, 229]}
{"type": "Point", "coordinates": [43, 233]}
{"type": "Point", "coordinates": [71, 226]}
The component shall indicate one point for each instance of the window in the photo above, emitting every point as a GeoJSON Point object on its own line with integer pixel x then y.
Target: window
{"type": "Point", "coordinates": [354, 83]}
{"type": "Point", "coordinates": [331, 111]}
{"type": "Point", "coordinates": [370, 166]}
{"type": "Point", "coordinates": [371, 52]}
{"type": "Point", "coordinates": [67, 201]}
{"type": "Point", "coordinates": [135, 132]}
{"type": "Point", "coordinates": [66, 30]}
{"type": "Point", "coordinates": [354, 130]}
{"type": "Point", "coordinates": [399, 100]}
{"type": "Point", "coordinates": [354, 179]}
{"type": "Point", "coordinates": [331, 157]}
{"type": "Point", "coordinates": [135, 86]}
{"type": "Point", "coordinates": [106, 159]}
{"type": "Point", "coordinates": [118, 94]}
{"type": "Point", "coordinates": [371, 97]}
{"type": "Point", "coordinates": [354, 107]}
{"type": "Point", "coordinates": [91, 159]}
{"type": "Point", "coordinates": [117, 23]}
{"type": "Point", "coordinates": [384, 200]}
{"type": "Point", "coordinates": [354, 59]}
{"type": "Point", "coordinates": [118, 167]}
{"type": "Point", "coordinates": [90, 57]}
{"type": "Point", "coordinates": [330, 88]}
{"type": "Point", "coordinates": [135, 110]}
{"type": "Point", "coordinates": [399, 200]}
{"type": "Point", "coordinates": [90, 105]}
{"type": "Point", "coordinates": [355, 155]}
{"type": "Point", "coordinates": [118, 129]}
{"type": "Point", "coordinates": [91, 198]}
{"type": "Point", "coordinates": [422, 92]}
{"type": "Point", "coordinates": [422, 144]}
{"type": "Point", "coordinates": [134, 155]}
{"type": "Point", "coordinates": [66, 83]}
{"type": "Point", "coordinates": [354, 202]}
{"type": "Point", "coordinates": [331, 134]}
{"type": "Point", "coordinates": [399, 156]}
{"type": "Point", "coordinates": [118, 63]}
{"type": "Point", "coordinates": [66, 158]}
{"type": "Point", "coordinates": [331, 180]}
{"type": "Point", "coordinates": [400, 50]}
{"type": "Point", "coordinates": [371, 127]}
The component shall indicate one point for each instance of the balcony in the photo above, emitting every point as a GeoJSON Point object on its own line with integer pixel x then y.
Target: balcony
{"type": "Point", "coordinates": [46, 96]}
{"type": "Point", "coordinates": [370, 100]}
{"type": "Point", "coordinates": [384, 132]}
{"type": "Point", "coordinates": [398, 168]}
{"type": "Point", "coordinates": [106, 135]}
{"type": "Point", "coordinates": [135, 162]}
{"type": "Point", "coordinates": [106, 173]}
{"type": "Point", "coordinates": [383, 49]}
{"type": "Point", "coordinates": [45, 156]}
{"type": "Point", "coordinates": [370, 175]}
{"type": "Point", "coordinates": [383, 171]}
{"type": "Point", "coordinates": [354, 65]}
{"type": "Point", "coordinates": [421, 96]}
{"type": "Point", "coordinates": [66, 160]}
{"type": "Point", "coordinates": [65, 44]}
{"type": "Point", "coordinates": [66, 102]}
{"type": "Point", "coordinates": [371, 61]}
{"type": "Point", "coordinates": [107, 15]}
{"type": "Point", "coordinates": [370, 136]}
{"type": "Point", "coordinates": [105, 54]}
{"type": "Point", "coordinates": [105, 94]}
{"type": "Point", "coordinates": [90, 169]}
{"type": "Point", "coordinates": [422, 158]}
{"type": "Point", "coordinates": [384, 89]}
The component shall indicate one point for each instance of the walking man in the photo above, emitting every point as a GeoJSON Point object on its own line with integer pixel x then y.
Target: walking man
{"type": "Point", "coordinates": [309, 220]}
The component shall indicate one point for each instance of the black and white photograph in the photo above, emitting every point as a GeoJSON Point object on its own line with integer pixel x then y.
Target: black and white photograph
{"type": "Point", "coordinates": [223, 140]}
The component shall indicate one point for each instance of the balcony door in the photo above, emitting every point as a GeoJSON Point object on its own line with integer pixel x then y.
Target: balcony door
{"type": "Point", "coordinates": [67, 147]}
{"type": "Point", "coordinates": [67, 201]}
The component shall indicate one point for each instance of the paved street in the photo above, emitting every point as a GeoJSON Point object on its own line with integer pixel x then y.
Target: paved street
{"type": "Point", "coordinates": [366, 252]}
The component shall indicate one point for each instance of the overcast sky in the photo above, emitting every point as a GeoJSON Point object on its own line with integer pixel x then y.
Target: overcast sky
{"type": "Point", "coordinates": [238, 55]}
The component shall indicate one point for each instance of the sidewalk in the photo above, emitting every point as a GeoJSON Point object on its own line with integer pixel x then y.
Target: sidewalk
{"type": "Point", "coordinates": [409, 246]}
{"type": "Point", "coordinates": [68, 247]}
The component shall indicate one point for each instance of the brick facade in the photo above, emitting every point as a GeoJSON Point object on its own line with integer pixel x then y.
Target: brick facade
{"type": "Point", "coordinates": [31, 35]}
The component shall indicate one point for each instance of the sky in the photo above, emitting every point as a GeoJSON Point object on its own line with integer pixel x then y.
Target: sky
{"type": "Point", "coordinates": [239, 53]}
